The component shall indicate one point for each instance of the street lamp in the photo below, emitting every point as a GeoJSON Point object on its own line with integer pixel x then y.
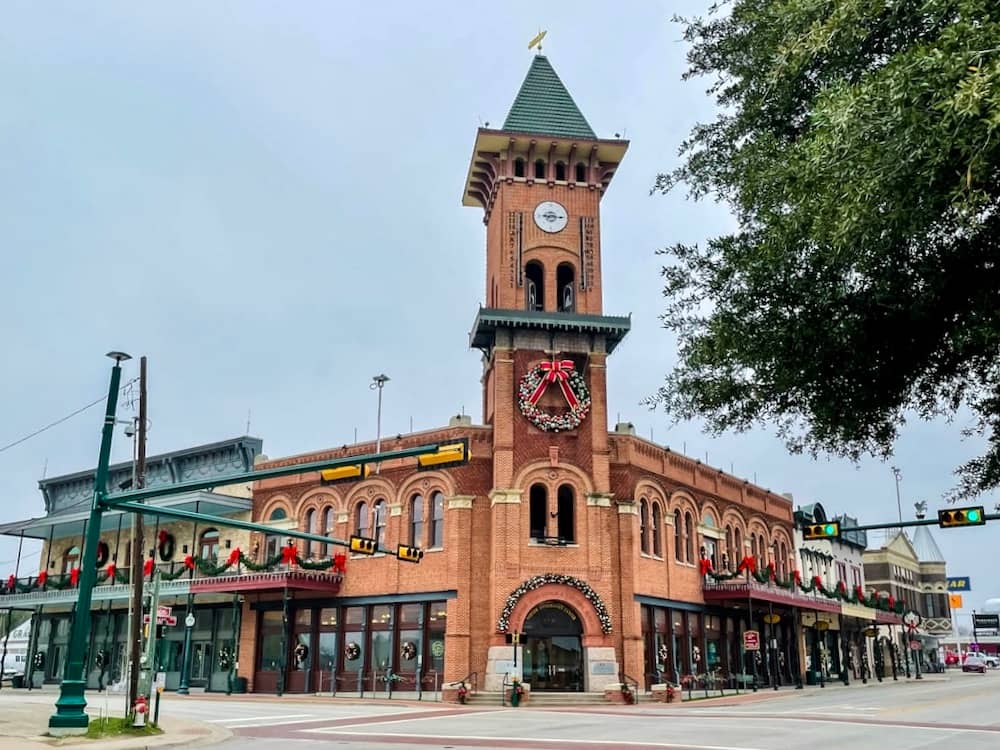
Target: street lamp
{"type": "Point", "coordinates": [378, 383]}
{"type": "Point", "coordinates": [70, 717]}
{"type": "Point", "coordinates": [899, 504]}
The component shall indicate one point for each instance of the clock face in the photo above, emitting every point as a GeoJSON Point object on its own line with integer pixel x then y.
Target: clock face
{"type": "Point", "coordinates": [550, 216]}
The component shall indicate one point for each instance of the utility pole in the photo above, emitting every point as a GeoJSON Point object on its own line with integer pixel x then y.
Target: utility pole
{"type": "Point", "coordinates": [138, 547]}
{"type": "Point", "coordinates": [378, 382]}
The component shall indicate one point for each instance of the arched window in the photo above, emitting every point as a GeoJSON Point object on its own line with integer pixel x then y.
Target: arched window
{"type": "Point", "coordinates": [565, 525]}
{"type": "Point", "coordinates": [783, 562]}
{"type": "Point", "coordinates": [538, 510]}
{"type": "Point", "coordinates": [539, 169]}
{"type": "Point", "coordinates": [417, 521]}
{"type": "Point", "coordinates": [688, 538]}
{"type": "Point", "coordinates": [519, 167]}
{"type": "Point", "coordinates": [678, 536]}
{"type": "Point", "coordinates": [738, 553]}
{"type": "Point", "coordinates": [209, 545]}
{"type": "Point", "coordinates": [437, 520]}
{"type": "Point", "coordinates": [71, 559]}
{"type": "Point", "coordinates": [565, 287]}
{"type": "Point", "coordinates": [581, 172]}
{"type": "Point", "coordinates": [561, 171]}
{"type": "Point", "coordinates": [762, 548]}
{"type": "Point", "coordinates": [753, 546]}
{"type": "Point", "coordinates": [379, 513]}
{"type": "Point", "coordinates": [361, 520]}
{"type": "Point", "coordinates": [278, 514]}
{"type": "Point", "coordinates": [644, 526]}
{"type": "Point", "coordinates": [329, 525]}
{"type": "Point", "coordinates": [657, 529]}
{"type": "Point", "coordinates": [310, 527]}
{"type": "Point", "coordinates": [534, 286]}
{"type": "Point", "coordinates": [728, 556]}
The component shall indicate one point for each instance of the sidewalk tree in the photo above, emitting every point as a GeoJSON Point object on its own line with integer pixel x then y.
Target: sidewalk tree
{"type": "Point", "coordinates": [858, 144]}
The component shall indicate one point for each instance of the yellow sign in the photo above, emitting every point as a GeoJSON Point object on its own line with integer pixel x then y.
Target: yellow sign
{"type": "Point", "coordinates": [955, 601]}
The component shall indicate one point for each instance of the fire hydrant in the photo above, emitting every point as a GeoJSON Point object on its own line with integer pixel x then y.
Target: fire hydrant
{"type": "Point", "coordinates": [140, 710]}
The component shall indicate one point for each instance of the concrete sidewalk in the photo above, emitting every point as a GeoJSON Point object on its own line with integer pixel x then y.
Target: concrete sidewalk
{"type": "Point", "coordinates": [24, 719]}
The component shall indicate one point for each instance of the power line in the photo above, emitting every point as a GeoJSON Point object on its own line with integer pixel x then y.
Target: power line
{"type": "Point", "coordinates": [60, 421]}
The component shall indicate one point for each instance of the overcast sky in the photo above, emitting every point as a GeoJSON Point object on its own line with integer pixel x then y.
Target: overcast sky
{"type": "Point", "coordinates": [265, 199]}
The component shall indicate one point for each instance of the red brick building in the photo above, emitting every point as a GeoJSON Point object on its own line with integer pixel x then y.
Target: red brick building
{"type": "Point", "coordinates": [584, 542]}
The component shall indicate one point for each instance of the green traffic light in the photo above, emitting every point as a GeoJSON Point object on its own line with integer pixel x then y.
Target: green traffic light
{"type": "Point", "coordinates": [829, 529]}
{"type": "Point", "coordinates": [973, 515]}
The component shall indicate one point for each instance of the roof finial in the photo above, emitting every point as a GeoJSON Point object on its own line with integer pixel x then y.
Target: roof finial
{"type": "Point", "coordinates": [537, 41]}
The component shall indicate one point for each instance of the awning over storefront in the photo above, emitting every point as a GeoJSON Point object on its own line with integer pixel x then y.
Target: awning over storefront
{"type": "Point", "coordinates": [292, 580]}
{"type": "Point", "coordinates": [729, 591]}
{"type": "Point", "coordinates": [858, 612]}
{"type": "Point", "coordinates": [887, 618]}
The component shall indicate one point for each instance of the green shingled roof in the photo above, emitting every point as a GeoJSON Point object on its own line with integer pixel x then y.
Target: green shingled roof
{"type": "Point", "coordinates": [544, 106]}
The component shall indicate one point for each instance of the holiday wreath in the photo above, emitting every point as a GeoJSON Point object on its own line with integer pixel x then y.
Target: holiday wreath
{"type": "Point", "coordinates": [574, 389]}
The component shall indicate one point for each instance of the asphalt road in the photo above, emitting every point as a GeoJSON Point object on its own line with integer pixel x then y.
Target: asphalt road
{"type": "Point", "coordinates": [959, 712]}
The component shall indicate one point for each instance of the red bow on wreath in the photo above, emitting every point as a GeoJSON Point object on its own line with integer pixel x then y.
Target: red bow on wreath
{"type": "Point", "coordinates": [556, 370]}
{"type": "Point", "coordinates": [234, 556]}
{"type": "Point", "coordinates": [340, 563]}
{"type": "Point", "coordinates": [288, 554]}
{"type": "Point", "coordinates": [189, 562]}
{"type": "Point", "coordinates": [111, 571]}
{"type": "Point", "coordinates": [147, 567]}
{"type": "Point", "coordinates": [42, 578]}
{"type": "Point", "coordinates": [74, 576]}
{"type": "Point", "coordinates": [162, 536]}
{"type": "Point", "coordinates": [705, 565]}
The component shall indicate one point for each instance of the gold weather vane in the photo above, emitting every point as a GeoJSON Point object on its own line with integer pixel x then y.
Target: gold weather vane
{"type": "Point", "coordinates": [537, 41]}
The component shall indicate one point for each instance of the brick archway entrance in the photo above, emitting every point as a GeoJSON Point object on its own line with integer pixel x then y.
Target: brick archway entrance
{"type": "Point", "coordinates": [553, 648]}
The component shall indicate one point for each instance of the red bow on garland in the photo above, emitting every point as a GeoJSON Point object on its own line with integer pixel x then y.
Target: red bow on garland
{"type": "Point", "coordinates": [770, 570]}
{"type": "Point", "coordinates": [162, 536]}
{"type": "Point", "coordinates": [748, 563]}
{"type": "Point", "coordinates": [74, 576]}
{"type": "Point", "coordinates": [842, 587]}
{"type": "Point", "coordinates": [288, 554]}
{"type": "Point", "coordinates": [817, 582]}
{"type": "Point", "coordinates": [147, 567]}
{"type": "Point", "coordinates": [860, 592]}
{"type": "Point", "coordinates": [705, 565]}
{"type": "Point", "coordinates": [797, 576]}
{"type": "Point", "coordinates": [42, 578]}
{"type": "Point", "coordinates": [11, 582]}
{"type": "Point", "coordinates": [892, 602]}
{"type": "Point", "coordinates": [234, 556]}
{"type": "Point", "coordinates": [189, 562]}
{"type": "Point", "coordinates": [556, 370]}
{"type": "Point", "coordinates": [340, 563]}
{"type": "Point", "coordinates": [111, 571]}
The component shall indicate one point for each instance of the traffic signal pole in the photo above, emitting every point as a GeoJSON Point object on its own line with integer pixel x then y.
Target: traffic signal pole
{"type": "Point", "coordinates": [70, 717]}
{"type": "Point", "coordinates": [919, 522]}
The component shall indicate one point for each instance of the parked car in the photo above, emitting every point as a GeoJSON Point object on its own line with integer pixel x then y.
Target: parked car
{"type": "Point", "coordinates": [950, 658]}
{"type": "Point", "coordinates": [992, 660]}
{"type": "Point", "coordinates": [974, 663]}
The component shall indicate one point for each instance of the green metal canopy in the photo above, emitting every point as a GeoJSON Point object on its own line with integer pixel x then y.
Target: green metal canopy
{"type": "Point", "coordinates": [544, 106]}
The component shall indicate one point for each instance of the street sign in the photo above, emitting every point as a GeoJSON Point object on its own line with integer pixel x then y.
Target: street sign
{"type": "Point", "coordinates": [163, 612]}
{"type": "Point", "coordinates": [771, 619]}
{"type": "Point", "coordinates": [961, 583]}
{"type": "Point", "coordinates": [986, 622]}
{"type": "Point", "coordinates": [914, 645]}
{"type": "Point", "coordinates": [168, 620]}
{"type": "Point", "coordinates": [751, 640]}
{"type": "Point", "coordinates": [189, 620]}
{"type": "Point", "coordinates": [954, 601]}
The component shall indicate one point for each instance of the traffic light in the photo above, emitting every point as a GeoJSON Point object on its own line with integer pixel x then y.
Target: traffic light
{"type": "Point", "coordinates": [974, 516]}
{"type": "Point", "coordinates": [344, 474]}
{"type": "Point", "coordinates": [453, 454]}
{"type": "Point", "coordinates": [409, 554]}
{"type": "Point", "coordinates": [828, 530]}
{"type": "Point", "coordinates": [363, 546]}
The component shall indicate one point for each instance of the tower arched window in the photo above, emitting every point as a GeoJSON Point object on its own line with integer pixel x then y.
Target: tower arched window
{"type": "Point", "coordinates": [361, 520]}
{"type": "Point", "coordinates": [379, 520]}
{"type": "Point", "coordinates": [644, 526]}
{"type": "Point", "coordinates": [561, 171]}
{"type": "Point", "coordinates": [208, 547]}
{"type": "Point", "coordinates": [566, 287]}
{"type": "Point", "coordinates": [534, 286]}
{"type": "Point", "coordinates": [538, 510]}
{"type": "Point", "coordinates": [678, 536]}
{"type": "Point", "coordinates": [565, 512]}
{"type": "Point", "coordinates": [657, 531]}
{"type": "Point", "coordinates": [581, 171]}
{"type": "Point", "coordinates": [437, 520]}
{"type": "Point", "coordinates": [329, 525]}
{"type": "Point", "coordinates": [417, 521]}
{"type": "Point", "coordinates": [539, 169]}
{"type": "Point", "coordinates": [688, 538]}
{"type": "Point", "coordinates": [519, 167]}
{"type": "Point", "coordinates": [278, 514]}
{"type": "Point", "coordinates": [310, 527]}
{"type": "Point", "coordinates": [71, 559]}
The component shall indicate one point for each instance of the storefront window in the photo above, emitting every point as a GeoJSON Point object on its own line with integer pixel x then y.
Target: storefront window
{"type": "Point", "coordinates": [437, 620]}
{"type": "Point", "coordinates": [302, 648]}
{"type": "Point", "coordinates": [694, 643]}
{"type": "Point", "coordinates": [381, 638]}
{"type": "Point", "coordinates": [326, 657]}
{"type": "Point", "coordinates": [271, 627]}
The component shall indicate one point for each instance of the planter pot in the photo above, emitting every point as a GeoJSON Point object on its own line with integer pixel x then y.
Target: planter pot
{"type": "Point", "coordinates": [515, 700]}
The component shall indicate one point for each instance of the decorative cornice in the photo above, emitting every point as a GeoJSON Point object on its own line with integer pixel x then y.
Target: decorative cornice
{"type": "Point", "coordinates": [505, 497]}
{"type": "Point", "coordinates": [461, 502]}
{"type": "Point", "coordinates": [599, 499]}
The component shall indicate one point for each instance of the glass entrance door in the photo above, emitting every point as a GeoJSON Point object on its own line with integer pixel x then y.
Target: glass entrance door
{"type": "Point", "coordinates": [553, 649]}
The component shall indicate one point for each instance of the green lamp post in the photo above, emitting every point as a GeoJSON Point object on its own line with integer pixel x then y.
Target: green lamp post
{"type": "Point", "coordinates": [70, 717]}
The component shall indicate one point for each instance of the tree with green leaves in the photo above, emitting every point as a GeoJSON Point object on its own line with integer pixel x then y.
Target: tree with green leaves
{"type": "Point", "coordinates": [858, 144]}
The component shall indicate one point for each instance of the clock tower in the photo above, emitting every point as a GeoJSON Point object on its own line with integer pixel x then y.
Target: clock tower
{"type": "Point", "coordinates": [539, 180]}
